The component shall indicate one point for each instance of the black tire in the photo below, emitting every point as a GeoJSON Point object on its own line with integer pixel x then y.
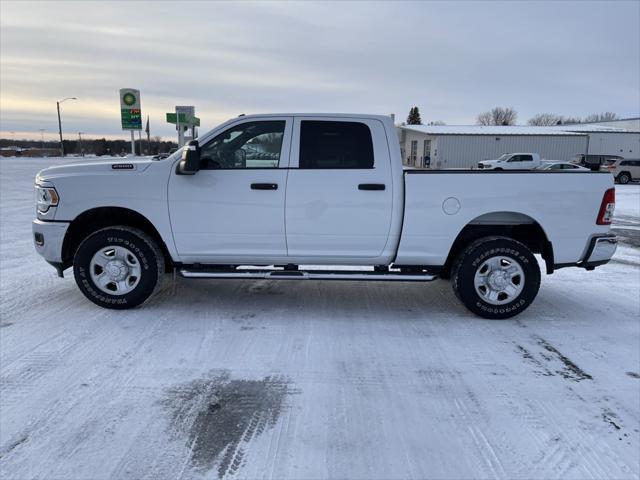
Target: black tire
{"type": "Point", "coordinates": [147, 253]}
{"type": "Point", "coordinates": [624, 178]}
{"type": "Point", "coordinates": [498, 169]}
{"type": "Point", "coordinates": [471, 259]}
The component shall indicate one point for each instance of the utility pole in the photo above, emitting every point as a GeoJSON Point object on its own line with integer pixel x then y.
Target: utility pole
{"type": "Point", "coordinates": [80, 143]}
{"type": "Point", "coordinates": [60, 122]}
{"type": "Point", "coordinates": [42, 130]}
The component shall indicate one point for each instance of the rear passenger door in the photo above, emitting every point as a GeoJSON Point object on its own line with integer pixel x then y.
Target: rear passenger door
{"type": "Point", "coordinates": [339, 200]}
{"type": "Point", "coordinates": [521, 162]}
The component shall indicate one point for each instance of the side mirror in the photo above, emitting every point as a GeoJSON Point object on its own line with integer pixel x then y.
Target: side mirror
{"type": "Point", "coordinates": [190, 162]}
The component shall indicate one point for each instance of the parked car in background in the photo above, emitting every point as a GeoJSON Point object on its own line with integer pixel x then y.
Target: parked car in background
{"type": "Point", "coordinates": [625, 170]}
{"type": "Point", "coordinates": [562, 166]}
{"type": "Point", "coordinates": [594, 162]}
{"type": "Point", "coordinates": [512, 161]}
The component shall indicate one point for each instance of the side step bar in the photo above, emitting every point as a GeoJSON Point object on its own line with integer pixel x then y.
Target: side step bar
{"type": "Point", "coordinates": [310, 275]}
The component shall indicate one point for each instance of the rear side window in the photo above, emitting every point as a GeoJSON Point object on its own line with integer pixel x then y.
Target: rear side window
{"type": "Point", "coordinates": [526, 158]}
{"type": "Point", "coordinates": [335, 145]}
{"type": "Point", "coordinates": [625, 163]}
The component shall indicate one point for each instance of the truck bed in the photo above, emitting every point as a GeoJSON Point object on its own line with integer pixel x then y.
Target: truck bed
{"type": "Point", "coordinates": [440, 203]}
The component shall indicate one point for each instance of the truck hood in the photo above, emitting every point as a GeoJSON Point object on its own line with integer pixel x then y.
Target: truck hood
{"type": "Point", "coordinates": [110, 166]}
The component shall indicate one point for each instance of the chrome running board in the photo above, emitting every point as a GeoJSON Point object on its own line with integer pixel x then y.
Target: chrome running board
{"type": "Point", "coordinates": [354, 275]}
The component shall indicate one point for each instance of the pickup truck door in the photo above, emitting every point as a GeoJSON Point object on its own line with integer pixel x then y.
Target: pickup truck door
{"type": "Point", "coordinates": [232, 210]}
{"type": "Point", "coordinates": [524, 162]}
{"type": "Point", "coordinates": [339, 191]}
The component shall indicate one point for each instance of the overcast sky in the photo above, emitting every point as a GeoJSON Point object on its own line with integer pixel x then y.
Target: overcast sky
{"type": "Point", "coordinates": [452, 59]}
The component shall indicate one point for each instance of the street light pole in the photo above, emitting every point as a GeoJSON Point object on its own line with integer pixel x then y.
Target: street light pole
{"type": "Point", "coordinates": [80, 141]}
{"type": "Point", "coordinates": [60, 122]}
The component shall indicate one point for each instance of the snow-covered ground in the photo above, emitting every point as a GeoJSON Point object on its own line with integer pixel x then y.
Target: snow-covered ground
{"type": "Point", "coordinates": [254, 379]}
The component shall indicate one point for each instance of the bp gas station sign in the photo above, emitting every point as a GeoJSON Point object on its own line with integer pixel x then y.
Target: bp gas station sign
{"type": "Point", "coordinates": [130, 113]}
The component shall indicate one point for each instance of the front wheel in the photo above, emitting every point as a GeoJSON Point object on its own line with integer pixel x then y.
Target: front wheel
{"type": "Point", "coordinates": [624, 178]}
{"type": "Point", "coordinates": [496, 277]}
{"type": "Point", "coordinates": [118, 267]}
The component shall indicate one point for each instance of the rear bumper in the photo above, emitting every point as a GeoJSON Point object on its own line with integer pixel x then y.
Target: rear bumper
{"type": "Point", "coordinates": [48, 238]}
{"type": "Point", "coordinates": [599, 251]}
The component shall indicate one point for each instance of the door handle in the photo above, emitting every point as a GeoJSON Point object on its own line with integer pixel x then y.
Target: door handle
{"type": "Point", "coordinates": [264, 186]}
{"type": "Point", "coordinates": [371, 186]}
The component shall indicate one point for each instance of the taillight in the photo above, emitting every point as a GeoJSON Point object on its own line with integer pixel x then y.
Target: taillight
{"type": "Point", "coordinates": [607, 207]}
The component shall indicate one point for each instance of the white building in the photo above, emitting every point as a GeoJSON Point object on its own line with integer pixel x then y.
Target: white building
{"type": "Point", "coordinates": [632, 124]}
{"type": "Point", "coordinates": [607, 138]}
{"type": "Point", "coordinates": [452, 146]}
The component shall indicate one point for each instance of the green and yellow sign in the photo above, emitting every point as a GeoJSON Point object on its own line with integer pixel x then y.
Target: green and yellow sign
{"type": "Point", "coordinates": [130, 112]}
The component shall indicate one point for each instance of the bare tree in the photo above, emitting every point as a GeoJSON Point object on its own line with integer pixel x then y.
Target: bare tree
{"type": "Point", "coordinates": [546, 119]}
{"type": "Point", "coordinates": [485, 118]}
{"type": "Point", "coordinates": [600, 117]}
{"type": "Point", "coordinates": [498, 116]}
{"type": "Point", "coordinates": [569, 120]}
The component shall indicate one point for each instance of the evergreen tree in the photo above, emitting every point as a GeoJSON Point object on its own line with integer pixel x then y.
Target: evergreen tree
{"type": "Point", "coordinates": [414, 117]}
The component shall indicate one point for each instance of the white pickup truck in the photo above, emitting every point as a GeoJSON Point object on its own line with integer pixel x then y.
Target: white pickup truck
{"type": "Point", "coordinates": [272, 196]}
{"type": "Point", "coordinates": [512, 161]}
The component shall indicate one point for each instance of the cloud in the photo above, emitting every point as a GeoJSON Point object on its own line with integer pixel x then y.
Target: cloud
{"type": "Point", "coordinates": [452, 59]}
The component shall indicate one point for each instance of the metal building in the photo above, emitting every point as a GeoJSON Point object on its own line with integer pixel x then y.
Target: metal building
{"type": "Point", "coordinates": [450, 146]}
{"type": "Point", "coordinates": [605, 139]}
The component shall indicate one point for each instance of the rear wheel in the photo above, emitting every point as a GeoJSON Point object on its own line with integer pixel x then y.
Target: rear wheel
{"type": "Point", "coordinates": [118, 267]}
{"type": "Point", "coordinates": [624, 178]}
{"type": "Point", "coordinates": [496, 277]}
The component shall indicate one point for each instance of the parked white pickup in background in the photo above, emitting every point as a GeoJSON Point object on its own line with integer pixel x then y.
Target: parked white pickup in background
{"type": "Point", "coordinates": [512, 161]}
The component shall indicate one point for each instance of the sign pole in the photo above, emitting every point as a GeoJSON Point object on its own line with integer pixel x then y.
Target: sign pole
{"type": "Point", "coordinates": [133, 144]}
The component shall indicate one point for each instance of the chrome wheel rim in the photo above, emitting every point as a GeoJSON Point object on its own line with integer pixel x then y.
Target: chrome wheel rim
{"type": "Point", "coordinates": [115, 270]}
{"type": "Point", "coordinates": [499, 280]}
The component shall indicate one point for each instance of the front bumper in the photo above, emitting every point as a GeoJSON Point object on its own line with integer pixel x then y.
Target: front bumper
{"type": "Point", "coordinates": [48, 238]}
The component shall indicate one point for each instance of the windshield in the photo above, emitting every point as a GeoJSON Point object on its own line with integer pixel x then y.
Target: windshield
{"type": "Point", "coordinates": [504, 156]}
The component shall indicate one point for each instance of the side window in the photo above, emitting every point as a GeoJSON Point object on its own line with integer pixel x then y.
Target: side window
{"type": "Point", "coordinates": [516, 158]}
{"type": "Point", "coordinates": [326, 144]}
{"type": "Point", "coordinates": [526, 158]}
{"type": "Point", "coordinates": [625, 163]}
{"type": "Point", "coordinates": [248, 145]}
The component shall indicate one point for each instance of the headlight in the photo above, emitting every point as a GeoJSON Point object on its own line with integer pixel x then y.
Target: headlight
{"type": "Point", "coordinates": [46, 197]}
